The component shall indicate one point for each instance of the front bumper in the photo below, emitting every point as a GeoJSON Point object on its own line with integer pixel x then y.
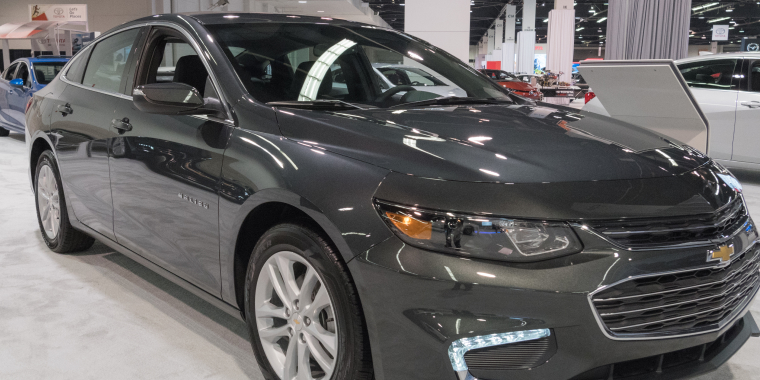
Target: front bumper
{"type": "Point", "coordinates": [418, 302]}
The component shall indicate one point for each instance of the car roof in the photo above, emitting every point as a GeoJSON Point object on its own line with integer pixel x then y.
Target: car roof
{"type": "Point", "coordinates": [213, 18]}
{"type": "Point", "coordinates": [41, 59]}
{"type": "Point", "coordinates": [735, 54]}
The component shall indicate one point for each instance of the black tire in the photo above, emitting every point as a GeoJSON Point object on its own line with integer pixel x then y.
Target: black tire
{"type": "Point", "coordinates": [354, 361]}
{"type": "Point", "coordinates": [67, 239]}
{"type": "Point", "coordinates": [4, 132]}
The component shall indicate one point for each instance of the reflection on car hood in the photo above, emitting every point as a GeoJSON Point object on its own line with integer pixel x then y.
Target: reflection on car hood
{"type": "Point", "coordinates": [493, 143]}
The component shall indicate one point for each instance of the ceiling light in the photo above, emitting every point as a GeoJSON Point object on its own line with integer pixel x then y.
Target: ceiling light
{"type": "Point", "coordinates": [601, 19]}
{"type": "Point", "coordinates": [706, 6]}
{"type": "Point", "coordinates": [741, 31]}
{"type": "Point", "coordinates": [302, 2]}
{"type": "Point", "coordinates": [718, 19]}
{"type": "Point", "coordinates": [546, 20]}
{"type": "Point", "coordinates": [729, 9]}
{"type": "Point", "coordinates": [320, 11]}
{"type": "Point", "coordinates": [579, 29]}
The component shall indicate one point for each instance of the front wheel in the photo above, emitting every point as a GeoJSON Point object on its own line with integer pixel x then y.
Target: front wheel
{"type": "Point", "coordinates": [59, 235]}
{"type": "Point", "coordinates": [302, 309]}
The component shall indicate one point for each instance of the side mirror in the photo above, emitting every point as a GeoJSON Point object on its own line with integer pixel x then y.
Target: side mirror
{"type": "Point", "coordinates": [17, 83]}
{"type": "Point", "coordinates": [174, 99]}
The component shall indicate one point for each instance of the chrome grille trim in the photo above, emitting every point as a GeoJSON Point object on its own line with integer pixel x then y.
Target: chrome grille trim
{"type": "Point", "coordinates": [739, 310]}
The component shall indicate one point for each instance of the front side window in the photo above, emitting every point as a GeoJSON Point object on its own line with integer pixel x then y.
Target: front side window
{"type": "Point", "coordinates": [23, 73]}
{"type": "Point", "coordinates": [171, 59]}
{"type": "Point", "coordinates": [10, 72]}
{"type": "Point", "coordinates": [300, 62]}
{"type": "Point", "coordinates": [44, 72]}
{"type": "Point", "coordinates": [715, 74]}
{"type": "Point", "coordinates": [105, 69]}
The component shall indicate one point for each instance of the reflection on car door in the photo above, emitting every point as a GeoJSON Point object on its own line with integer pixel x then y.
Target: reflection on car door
{"type": "Point", "coordinates": [165, 170]}
{"type": "Point", "coordinates": [714, 87]}
{"type": "Point", "coordinates": [81, 128]}
{"type": "Point", "coordinates": [5, 90]}
{"type": "Point", "coordinates": [747, 131]}
{"type": "Point", "coordinates": [17, 97]}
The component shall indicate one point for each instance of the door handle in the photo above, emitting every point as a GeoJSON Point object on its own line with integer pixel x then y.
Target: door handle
{"type": "Point", "coordinates": [121, 125]}
{"type": "Point", "coordinates": [752, 104]}
{"type": "Point", "coordinates": [64, 109]}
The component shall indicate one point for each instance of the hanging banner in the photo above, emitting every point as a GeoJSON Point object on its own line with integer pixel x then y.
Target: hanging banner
{"type": "Point", "coordinates": [58, 12]}
{"type": "Point", "coordinates": [79, 40]}
{"type": "Point", "coordinates": [720, 33]}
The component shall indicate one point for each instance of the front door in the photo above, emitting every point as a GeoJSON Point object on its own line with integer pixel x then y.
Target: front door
{"type": "Point", "coordinates": [17, 97]}
{"type": "Point", "coordinates": [81, 129]}
{"type": "Point", "coordinates": [747, 131]}
{"type": "Point", "coordinates": [5, 91]}
{"type": "Point", "coordinates": [165, 170]}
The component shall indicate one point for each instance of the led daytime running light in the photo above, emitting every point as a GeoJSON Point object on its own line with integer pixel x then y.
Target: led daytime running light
{"type": "Point", "coordinates": [459, 347]}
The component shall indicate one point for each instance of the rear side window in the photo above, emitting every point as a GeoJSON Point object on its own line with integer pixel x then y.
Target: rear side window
{"type": "Point", "coordinates": [75, 73]}
{"type": "Point", "coordinates": [10, 72]}
{"type": "Point", "coordinates": [715, 74]}
{"type": "Point", "coordinates": [108, 61]}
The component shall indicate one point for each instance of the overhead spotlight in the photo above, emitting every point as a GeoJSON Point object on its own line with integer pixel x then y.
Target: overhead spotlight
{"type": "Point", "coordinates": [601, 20]}
{"type": "Point", "coordinates": [741, 31]}
{"type": "Point", "coordinates": [579, 29]}
{"type": "Point", "coordinates": [729, 9]}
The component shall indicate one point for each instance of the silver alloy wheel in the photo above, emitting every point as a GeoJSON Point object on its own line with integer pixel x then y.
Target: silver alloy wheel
{"type": "Point", "coordinates": [295, 319]}
{"type": "Point", "coordinates": [48, 202]}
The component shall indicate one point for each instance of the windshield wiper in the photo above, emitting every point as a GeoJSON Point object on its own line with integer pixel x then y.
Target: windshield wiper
{"type": "Point", "coordinates": [452, 100]}
{"type": "Point", "coordinates": [319, 104]}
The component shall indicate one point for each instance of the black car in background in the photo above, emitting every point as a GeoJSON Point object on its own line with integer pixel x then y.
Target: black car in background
{"type": "Point", "coordinates": [391, 233]}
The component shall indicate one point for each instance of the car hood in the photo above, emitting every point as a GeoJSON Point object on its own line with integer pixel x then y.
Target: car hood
{"type": "Point", "coordinates": [501, 143]}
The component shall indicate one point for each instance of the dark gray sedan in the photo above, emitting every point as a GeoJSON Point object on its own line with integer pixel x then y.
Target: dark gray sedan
{"type": "Point", "coordinates": [365, 231]}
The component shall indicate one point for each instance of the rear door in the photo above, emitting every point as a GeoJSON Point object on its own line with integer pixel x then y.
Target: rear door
{"type": "Point", "coordinates": [747, 131]}
{"type": "Point", "coordinates": [165, 170]}
{"type": "Point", "coordinates": [81, 126]}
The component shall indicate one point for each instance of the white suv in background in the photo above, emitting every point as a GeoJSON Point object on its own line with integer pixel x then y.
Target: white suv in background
{"type": "Point", "coordinates": [727, 88]}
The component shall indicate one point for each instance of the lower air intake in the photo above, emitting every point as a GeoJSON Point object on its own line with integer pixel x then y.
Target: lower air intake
{"type": "Point", "coordinates": [514, 356]}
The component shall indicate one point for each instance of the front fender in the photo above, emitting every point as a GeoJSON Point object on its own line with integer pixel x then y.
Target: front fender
{"type": "Point", "coordinates": [333, 190]}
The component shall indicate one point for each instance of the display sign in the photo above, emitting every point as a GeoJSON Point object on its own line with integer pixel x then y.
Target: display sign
{"type": "Point", "coordinates": [720, 33]}
{"type": "Point", "coordinates": [751, 44]}
{"type": "Point", "coordinates": [58, 12]}
{"type": "Point", "coordinates": [78, 40]}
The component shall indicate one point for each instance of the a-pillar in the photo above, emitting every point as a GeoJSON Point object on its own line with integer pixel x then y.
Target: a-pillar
{"type": "Point", "coordinates": [648, 29]}
{"type": "Point", "coordinates": [508, 48]}
{"type": "Point", "coordinates": [526, 39]}
{"type": "Point", "coordinates": [447, 27]}
{"type": "Point", "coordinates": [561, 39]}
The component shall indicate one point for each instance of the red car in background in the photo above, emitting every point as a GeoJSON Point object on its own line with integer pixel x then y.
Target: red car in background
{"type": "Point", "coordinates": [513, 83]}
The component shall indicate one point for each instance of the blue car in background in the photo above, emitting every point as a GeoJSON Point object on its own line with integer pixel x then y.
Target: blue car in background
{"type": "Point", "coordinates": [19, 82]}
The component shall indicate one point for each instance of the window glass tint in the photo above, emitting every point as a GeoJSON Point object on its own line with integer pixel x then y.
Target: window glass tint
{"type": "Point", "coordinates": [23, 73]}
{"type": "Point", "coordinates": [754, 76]}
{"type": "Point", "coordinates": [76, 70]}
{"type": "Point", "coordinates": [44, 72]}
{"type": "Point", "coordinates": [179, 63]}
{"type": "Point", "coordinates": [10, 72]}
{"type": "Point", "coordinates": [356, 64]}
{"type": "Point", "coordinates": [105, 69]}
{"type": "Point", "coordinates": [716, 74]}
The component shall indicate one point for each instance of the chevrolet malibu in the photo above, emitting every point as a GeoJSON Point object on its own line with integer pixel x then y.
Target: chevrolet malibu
{"type": "Point", "coordinates": [363, 232]}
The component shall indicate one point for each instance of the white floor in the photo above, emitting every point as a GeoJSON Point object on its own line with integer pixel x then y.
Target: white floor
{"type": "Point", "coordinates": [100, 315]}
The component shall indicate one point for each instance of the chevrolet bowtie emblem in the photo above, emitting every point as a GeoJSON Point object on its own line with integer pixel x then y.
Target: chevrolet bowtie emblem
{"type": "Point", "coordinates": [296, 321]}
{"type": "Point", "coordinates": [722, 254]}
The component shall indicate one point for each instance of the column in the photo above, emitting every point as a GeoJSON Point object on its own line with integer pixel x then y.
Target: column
{"type": "Point", "coordinates": [561, 39]}
{"type": "Point", "coordinates": [648, 29]}
{"type": "Point", "coordinates": [508, 48]}
{"type": "Point", "coordinates": [498, 28]}
{"type": "Point", "coordinates": [526, 39]}
{"type": "Point", "coordinates": [445, 27]}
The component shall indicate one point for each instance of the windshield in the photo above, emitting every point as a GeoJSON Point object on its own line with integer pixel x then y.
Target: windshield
{"type": "Point", "coordinates": [299, 62]}
{"type": "Point", "coordinates": [44, 72]}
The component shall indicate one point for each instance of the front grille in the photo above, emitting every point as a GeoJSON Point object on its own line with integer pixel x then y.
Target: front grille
{"type": "Point", "coordinates": [663, 232]}
{"type": "Point", "coordinates": [513, 356]}
{"type": "Point", "coordinates": [670, 304]}
{"type": "Point", "coordinates": [663, 366]}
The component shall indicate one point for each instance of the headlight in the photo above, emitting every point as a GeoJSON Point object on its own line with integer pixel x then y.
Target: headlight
{"type": "Point", "coordinates": [480, 236]}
